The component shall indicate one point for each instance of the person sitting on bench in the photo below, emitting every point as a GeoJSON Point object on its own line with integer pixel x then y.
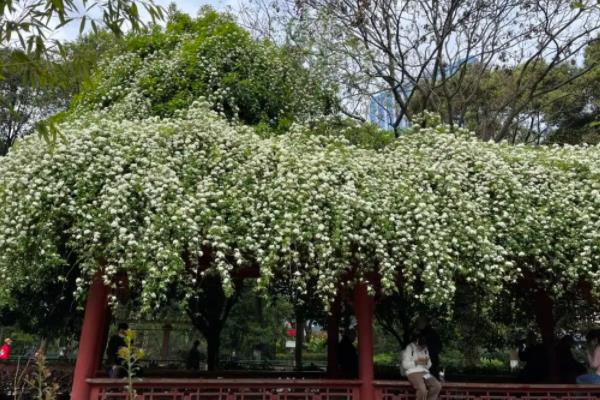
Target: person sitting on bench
{"type": "Point", "coordinates": [416, 362]}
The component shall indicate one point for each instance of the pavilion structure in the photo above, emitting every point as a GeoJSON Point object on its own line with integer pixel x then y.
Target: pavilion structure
{"type": "Point", "coordinates": [88, 386]}
{"type": "Point", "coordinates": [96, 322]}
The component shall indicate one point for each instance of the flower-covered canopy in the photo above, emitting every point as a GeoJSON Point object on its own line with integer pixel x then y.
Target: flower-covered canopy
{"type": "Point", "coordinates": [171, 200]}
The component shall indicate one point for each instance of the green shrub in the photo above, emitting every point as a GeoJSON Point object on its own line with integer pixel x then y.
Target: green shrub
{"type": "Point", "coordinates": [209, 57]}
{"type": "Point", "coordinates": [386, 358]}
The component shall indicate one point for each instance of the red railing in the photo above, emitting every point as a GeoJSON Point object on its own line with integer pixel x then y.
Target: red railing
{"type": "Point", "coordinates": [300, 389]}
{"type": "Point", "coordinates": [401, 390]}
{"type": "Point", "coordinates": [227, 389]}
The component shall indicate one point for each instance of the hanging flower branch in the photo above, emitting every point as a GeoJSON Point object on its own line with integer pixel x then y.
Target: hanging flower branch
{"type": "Point", "coordinates": [172, 200]}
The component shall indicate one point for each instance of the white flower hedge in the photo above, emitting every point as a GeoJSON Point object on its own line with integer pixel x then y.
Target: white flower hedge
{"type": "Point", "coordinates": [171, 200]}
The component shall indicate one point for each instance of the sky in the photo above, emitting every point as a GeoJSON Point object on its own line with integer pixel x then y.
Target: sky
{"type": "Point", "coordinates": [191, 7]}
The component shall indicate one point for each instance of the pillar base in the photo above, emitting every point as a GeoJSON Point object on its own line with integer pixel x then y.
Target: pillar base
{"type": "Point", "coordinates": [91, 342]}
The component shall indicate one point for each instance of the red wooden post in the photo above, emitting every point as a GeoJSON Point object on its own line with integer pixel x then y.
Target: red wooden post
{"type": "Point", "coordinates": [333, 328]}
{"type": "Point", "coordinates": [91, 343]}
{"type": "Point", "coordinates": [364, 306]}
{"type": "Point", "coordinates": [95, 393]}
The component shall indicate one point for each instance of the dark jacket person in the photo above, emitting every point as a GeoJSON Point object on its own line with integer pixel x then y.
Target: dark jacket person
{"type": "Point", "coordinates": [193, 358]}
{"type": "Point", "coordinates": [434, 345]}
{"type": "Point", "coordinates": [116, 342]}
{"type": "Point", "coordinates": [347, 356]}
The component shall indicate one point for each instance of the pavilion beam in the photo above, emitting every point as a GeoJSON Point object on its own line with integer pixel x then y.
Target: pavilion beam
{"type": "Point", "coordinates": [91, 342]}
{"type": "Point", "coordinates": [364, 307]}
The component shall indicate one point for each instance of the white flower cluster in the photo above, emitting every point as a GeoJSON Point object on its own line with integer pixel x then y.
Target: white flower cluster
{"type": "Point", "coordinates": [170, 200]}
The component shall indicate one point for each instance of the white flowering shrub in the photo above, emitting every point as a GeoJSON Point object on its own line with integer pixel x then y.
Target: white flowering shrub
{"type": "Point", "coordinates": [213, 58]}
{"type": "Point", "coordinates": [171, 200]}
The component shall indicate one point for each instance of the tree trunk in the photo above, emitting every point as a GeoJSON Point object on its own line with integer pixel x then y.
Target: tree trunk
{"type": "Point", "coordinates": [333, 328]}
{"type": "Point", "coordinates": [406, 329]}
{"type": "Point", "coordinates": [213, 344]}
{"type": "Point", "coordinates": [208, 311]}
{"type": "Point", "coordinates": [506, 125]}
{"type": "Point", "coordinates": [299, 339]}
{"type": "Point", "coordinates": [545, 319]}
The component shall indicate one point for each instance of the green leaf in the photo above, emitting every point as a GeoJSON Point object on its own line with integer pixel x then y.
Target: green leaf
{"type": "Point", "coordinates": [82, 25]}
{"type": "Point", "coordinates": [61, 50]}
{"type": "Point", "coordinates": [30, 42]}
{"type": "Point", "coordinates": [49, 131]}
{"type": "Point", "coordinates": [40, 46]}
{"type": "Point", "coordinates": [64, 22]}
{"type": "Point", "coordinates": [20, 57]}
{"type": "Point", "coordinates": [59, 6]}
{"type": "Point", "coordinates": [133, 10]}
{"type": "Point", "coordinates": [21, 39]}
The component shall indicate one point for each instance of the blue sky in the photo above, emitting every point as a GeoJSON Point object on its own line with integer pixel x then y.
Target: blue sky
{"type": "Point", "coordinates": [191, 7]}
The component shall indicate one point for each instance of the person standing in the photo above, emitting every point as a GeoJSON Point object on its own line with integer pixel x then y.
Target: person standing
{"type": "Point", "coordinates": [5, 349]}
{"type": "Point", "coordinates": [568, 367]}
{"type": "Point", "coordinates": [348, 356]}
{"type": "Point", "coordinates": [593, 353]}
{"type": "Point", "coordinates": [536, 361]}
{"type": "Point", "coordinates": [416, 362]}
{"type": "Point", "coordinates": [193, 358]}
{"type": "Point", "coordinates": [116, 342]}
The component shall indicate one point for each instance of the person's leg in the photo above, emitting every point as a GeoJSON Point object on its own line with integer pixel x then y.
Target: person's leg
{"type": "Point", "coordinates": [589, 379]}
{"type": "Point", "coordinates": [417, 381]}
{"type": "Point", "coordinates": [433, 388]}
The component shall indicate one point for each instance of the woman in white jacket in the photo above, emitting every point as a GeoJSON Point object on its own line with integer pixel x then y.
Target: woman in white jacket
{"type": "Point", "coordinates": [416, 364]}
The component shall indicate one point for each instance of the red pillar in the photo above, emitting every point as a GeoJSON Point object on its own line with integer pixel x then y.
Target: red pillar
{"type": "Point", "coordinates": [91, 342]}
{"type": "Point", "coordinates": [364, 306]}
{"type": "Point", "coordinates": [333, 329]}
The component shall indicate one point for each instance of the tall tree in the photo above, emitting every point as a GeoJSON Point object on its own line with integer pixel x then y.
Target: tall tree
{"type": "Point", "coordinates": [212, 57]}
{"type": "Point", "coordinates": [25, 99]}
{"type": "Point", "coordinates": [209, 308]}
{"type": "Point", "coordinates": [25, 28]}
{"type": "Point", "coordinates": [31, 92]}
{"type": "Point", "coordinates": [574, 110]}
{"type": "Point", "coordinates": [256, 323]}
{"type": "Point", "coordinates": [409, 49]}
